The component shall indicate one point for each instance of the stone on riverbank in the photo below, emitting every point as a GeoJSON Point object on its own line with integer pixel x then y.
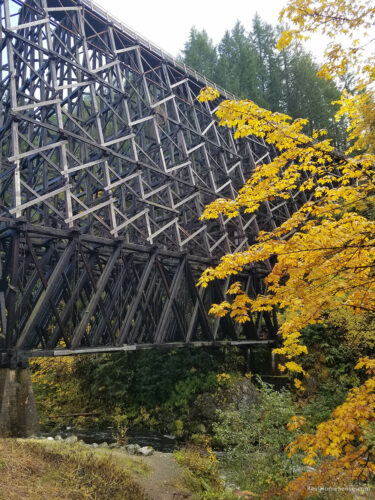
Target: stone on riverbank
{"type": "Point", "coordinates": [132, 449]}
{"type": "Point", "coordinates": [114, 446]}
{"type": "Point", "coordinates": [146, 451]}
{"type": "Point", "coordinates": [71, 439]}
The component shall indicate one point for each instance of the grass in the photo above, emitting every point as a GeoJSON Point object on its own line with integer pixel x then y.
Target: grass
{"type": "Point", "coordinates": [38, 470]}
{"type": "Point", "coordinates": [201, 474]}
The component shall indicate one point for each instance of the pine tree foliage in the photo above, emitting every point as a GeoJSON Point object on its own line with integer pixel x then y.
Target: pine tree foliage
{"type": "Point", "coordinates": [200, 53]}
{"type": "Point", "coordinates": [250, 66]}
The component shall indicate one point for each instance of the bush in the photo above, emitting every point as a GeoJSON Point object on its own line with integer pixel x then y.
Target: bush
{"type": "Point", "coordinates": [330, 363]}
{"type": "Point", "coordinates": [254, 438]}
{"type": "Point", "coordinates": [201, 473]}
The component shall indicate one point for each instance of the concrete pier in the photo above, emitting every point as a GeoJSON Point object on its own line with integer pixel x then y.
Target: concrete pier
{"type": "Point", "coordinates": [18, 413]}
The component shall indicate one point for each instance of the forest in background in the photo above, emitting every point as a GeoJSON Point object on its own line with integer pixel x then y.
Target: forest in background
{"type": "Point", "coordinates": [249, 65]}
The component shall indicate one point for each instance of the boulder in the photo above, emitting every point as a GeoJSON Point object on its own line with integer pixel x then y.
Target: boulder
{"type": "Point", "coordinates": [71, 439]}
{"type": "Point", "coordinates": [145, 451]}
{"type": "Point", "coordinates": [103, 445]}
{"type": "Point", "coordinates": [132, 449]}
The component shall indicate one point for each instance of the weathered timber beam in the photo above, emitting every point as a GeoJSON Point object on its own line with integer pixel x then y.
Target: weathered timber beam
{"type": "Point", "coordinates": [136, 347]}
{"type": "Point", "coordinates": [172, 292]}
{"type": "Point", "coordinates": [26, 337]}
{"type": "Point", "coordinates": [81, 328]}
{"type": "Point", "coordinates": [125, 328]}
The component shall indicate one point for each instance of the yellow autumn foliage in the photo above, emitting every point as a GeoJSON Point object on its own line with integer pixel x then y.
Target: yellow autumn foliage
{"type": "Point", "coordinates": [325, 252]}
{"type": "Point", "coordinates": [349, 458]}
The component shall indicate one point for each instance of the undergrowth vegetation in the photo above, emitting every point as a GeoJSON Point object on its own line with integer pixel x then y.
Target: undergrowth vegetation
{"type": "Point", "coordinates": [211, 401]}
{"type": "Point", "coordinates": [202, 475]}
{"type": "Point", "coordinates": [254, 438]}
{"type": "Point", "coordinates": [35, 470]}
{"type": "Point", "coordinates": [136, 388]}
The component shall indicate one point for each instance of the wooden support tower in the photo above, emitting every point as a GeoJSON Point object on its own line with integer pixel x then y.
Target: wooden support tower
{"type": "Point", "coordinates": [107, 161]}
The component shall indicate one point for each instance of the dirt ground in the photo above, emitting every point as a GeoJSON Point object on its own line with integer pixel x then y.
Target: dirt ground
{"type": "Point", "coordinates": [164, 482]}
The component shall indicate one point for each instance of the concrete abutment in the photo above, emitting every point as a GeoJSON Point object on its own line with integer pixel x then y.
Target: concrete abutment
{"type": "Point", "coordinates": [18, 413]}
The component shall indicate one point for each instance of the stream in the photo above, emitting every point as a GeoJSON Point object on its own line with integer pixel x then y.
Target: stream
{"type": "Point", "coordinates": [159, 442]}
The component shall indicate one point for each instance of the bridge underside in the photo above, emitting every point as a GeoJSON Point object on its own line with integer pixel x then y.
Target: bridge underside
{"type": "Point", "coordinates": [63, 293]}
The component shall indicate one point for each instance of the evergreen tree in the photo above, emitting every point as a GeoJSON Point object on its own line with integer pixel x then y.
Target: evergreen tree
{"type": "Point", "coordinates": [238, 64]}
{"type": "Point", "coordinates": [250, 66]}
{"type": "Point", "coordinates": [200, 53]}
{"type": "Point", "coordinates": [264, 38]}
{"type": "Point", "coordinates": [310, 96]}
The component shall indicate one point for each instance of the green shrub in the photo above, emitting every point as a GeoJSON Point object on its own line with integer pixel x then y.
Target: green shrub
{"type": "Point", "coordinates": [120, 421]}
{"type": "Point", "coordinates": [254, 437]}
{"type": "Point", "coordinates": [201, 473]}
{"type": "Point", "coordinates": [330, 364]}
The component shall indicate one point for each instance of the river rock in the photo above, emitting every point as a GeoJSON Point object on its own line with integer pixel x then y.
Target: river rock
{"type": "Point", "coordinates": [50, 438]}
{"type": "Point", "coordinates": [58, 438]}
{"type": "Point", "coordinates": [103, 445]}
{"type": "Point", "coordinates": [145, 451]}
{"type": "Point", "coordinates": [132, 449]}
{"type": "Point", "coordinates": [94, 445]}
{"type": "Point", "coordinates": [114, 445]}
{"type": "Point", "coordinates": [71, 439]}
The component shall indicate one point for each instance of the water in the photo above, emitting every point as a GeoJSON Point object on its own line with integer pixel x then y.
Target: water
{"type": "Point", "coordinates": [159, 442]}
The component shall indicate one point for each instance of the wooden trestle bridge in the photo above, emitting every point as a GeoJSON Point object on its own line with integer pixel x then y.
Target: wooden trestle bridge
{"type": "Point", "coordinates": [107, 160]}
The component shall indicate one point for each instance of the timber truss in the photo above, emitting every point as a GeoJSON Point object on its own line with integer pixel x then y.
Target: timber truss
{"type": "Point", "coordinates": [107, 161]}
